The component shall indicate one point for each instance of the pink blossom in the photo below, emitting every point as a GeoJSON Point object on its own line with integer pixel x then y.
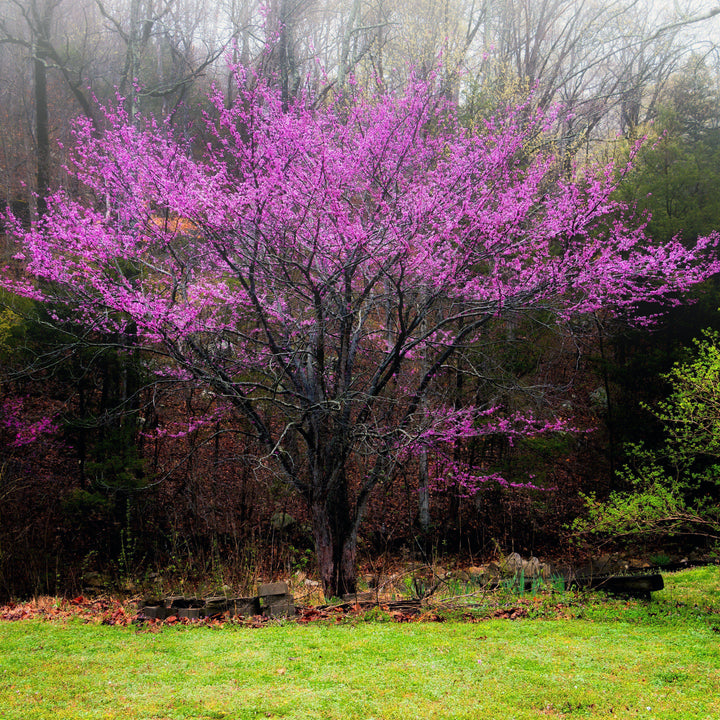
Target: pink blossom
{"type": "Point", "coordinates": [12, 417]}
{"type": "Point", "coordinates": [319, 265]}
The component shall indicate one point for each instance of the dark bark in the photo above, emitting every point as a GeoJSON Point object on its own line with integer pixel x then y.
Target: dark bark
{"type": "Point", "coordinates": [335, 534]}
{"type": "Point", "coordinates": [282, 60]}
{"type": "Point", "coordinates": [42, 134]}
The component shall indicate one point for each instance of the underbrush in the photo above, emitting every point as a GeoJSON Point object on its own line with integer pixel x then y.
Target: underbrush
{"type": "Point", "coordinates": [690, 598]}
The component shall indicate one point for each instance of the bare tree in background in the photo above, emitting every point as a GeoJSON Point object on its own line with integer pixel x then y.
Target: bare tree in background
{"type": "Point", "coordinates": [606, 62]}
{"type": "Point", "coordinates": [33, 26]}
{"type": "Point", "coordinates": [166, 46]}
{"type": "Point", "coordinates": [147, 49]}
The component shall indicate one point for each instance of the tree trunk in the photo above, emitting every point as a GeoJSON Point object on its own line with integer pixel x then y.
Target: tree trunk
{"type": "Point", "coordinates": [423, 495]}
{"type": "Point", "coordinates": [42, 136]}
{"type": "Point", "coordinates": [335, 535]}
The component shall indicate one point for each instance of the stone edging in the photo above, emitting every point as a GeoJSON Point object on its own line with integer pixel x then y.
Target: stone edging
{"type": "Point", "coordinates": [272, 600]}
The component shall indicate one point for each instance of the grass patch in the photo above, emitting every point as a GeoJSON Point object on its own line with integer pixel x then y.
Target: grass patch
{"type": "Point", "coordinates": [636, 661]}
{"type": "Point", "coordinates": [690, 597]}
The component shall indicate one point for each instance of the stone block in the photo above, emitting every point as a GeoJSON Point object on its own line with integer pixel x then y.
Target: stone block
{"type": "Point", "coordinates": [270, 600]}
{"type": "Point", "coordinates": [174, 601]}
{"type": "Point", "coordinates": [531, 568]}
{"type": "Point", "coordinates": [278, 605]}
{"type": "Point", "coordinates": [215, 605]}
{"type": "Point", "coordinates": [189, 613]}
{"type": "Point", "coordinates": [245, 606]}
{"type": "Point", "coordinates": [476, 573]}
{"type": "Point", "coordinates": [630, 585]}
{"type": "Point", "coordinates": [512, 564]}
{"type": "Point", "coordinates": [154, 612]}
{"type": "Point", "coordinates": [268, 589]}
{"type": "Point", "coordinates": [150, 602]}
{"type": "Point", "coordinates": [280, 609]}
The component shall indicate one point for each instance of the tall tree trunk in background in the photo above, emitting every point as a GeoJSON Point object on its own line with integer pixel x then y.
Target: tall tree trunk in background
{"type": "Point", "coordinates": [344, 60]}
{"type": "Point", "coordinates": [42, 134]}
{"type": "Point", "coordinates": [281, 62]}
{"type": "Point", "coordinates": [42, 125]}
{"type": "Point", "coordinates": [423, 471]}
{"type": "Point", "coordinates": [423, 494]}
{"type": "Point", "coordinates": [134, 48]}
{"type": "Point", "coordinates": [287, 62]}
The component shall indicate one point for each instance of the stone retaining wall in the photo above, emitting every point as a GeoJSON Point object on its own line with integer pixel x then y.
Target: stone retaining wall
{"type": "Point", "coordinates": [272, 600]}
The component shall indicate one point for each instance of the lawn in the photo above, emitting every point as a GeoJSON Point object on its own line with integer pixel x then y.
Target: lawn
{"type": "Point", "coordinates": [611, 659]}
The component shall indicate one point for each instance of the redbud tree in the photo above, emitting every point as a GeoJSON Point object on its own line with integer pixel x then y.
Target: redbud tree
{"type": "Point", "coordinates": [322, 267]}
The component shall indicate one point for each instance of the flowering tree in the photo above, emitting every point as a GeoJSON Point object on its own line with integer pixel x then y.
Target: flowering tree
{"type": "Point", "coordinates": [320, 267]}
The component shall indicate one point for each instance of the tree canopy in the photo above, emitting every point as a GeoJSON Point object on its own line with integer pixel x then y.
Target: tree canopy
{"type": "Point", "coordinates": [322, 269]}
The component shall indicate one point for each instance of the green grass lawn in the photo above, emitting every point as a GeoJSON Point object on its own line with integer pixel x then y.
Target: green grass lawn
{"type": "Point", "coordinates": [615, 659]}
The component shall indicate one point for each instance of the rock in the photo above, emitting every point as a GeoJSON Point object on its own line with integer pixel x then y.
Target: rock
{"type": "Point", "coordinates": [602, 564]}
{"type": "Point", "coordinates": [531, 568]}
{"type": "Point", "coordinates": [175, 601]}
{"type": "Point", "coordinates": [280, 609]}
{"type": "Point", "coordinates": [189, 613]}
{"type": "Point", "coordinates": [95, 580]}
{"type": "Point", "coordinates": [278, 605]}
{"type": "Point", "coordinates": [155, 612]}
{"type": "Point", "coordinates": [244, 606]}
{"type": "Point", "coordinates": [483, 575]}
{"type": "Point", "coordinates": [268, 589]}
{"type": "Point", "coordinates": [270, 600]}
{"type": "Point", "coordinates": [545, 571]}
{"type": "Point", "coordinates": [215, 605]}
{"type": "Point", "coordinates": [282, 521]}
{"type": "Point", "coordinates": [475, 572]}
{"type": "Point", "coordinates": [512, 564]}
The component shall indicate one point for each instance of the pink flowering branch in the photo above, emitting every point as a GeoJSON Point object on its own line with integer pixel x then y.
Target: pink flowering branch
{"type": "Point", "coordinates": [12, 417]}
{"type": "Point", "coordinates": [446, 430]}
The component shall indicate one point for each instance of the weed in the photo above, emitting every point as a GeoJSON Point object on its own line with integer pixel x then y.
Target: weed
{"type": "Point", "coordinates": [456, 587]}
{"type": "Point", "coordinates": [660, 560]}
{"type": "Point", "coordinates": [377, 614]}
{"type": "Point", "coordinates": [301, 559]}
{"type": "Point", "coordinates": [671, 676]}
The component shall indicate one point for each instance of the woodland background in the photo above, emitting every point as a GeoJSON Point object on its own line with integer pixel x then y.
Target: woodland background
{"type": "Point", "coordinates": [101, 494]}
